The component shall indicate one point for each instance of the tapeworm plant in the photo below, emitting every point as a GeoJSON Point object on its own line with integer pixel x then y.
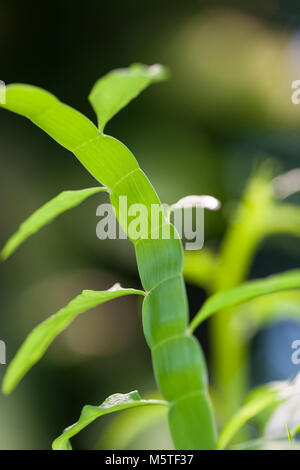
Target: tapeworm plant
{"type": "Point", "coordinates": [178, 362]}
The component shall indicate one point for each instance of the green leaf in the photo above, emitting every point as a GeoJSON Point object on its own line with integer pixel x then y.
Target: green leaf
{"type": "Point", "coordinates": [296, 431]}
{"type": "Point", "coordinates": [45, 214]}
{"type": "Point", "coordinates": [244, 292]}
{"type": "Point", "coordinates": [267, 396]}
{"type": "Point", "coordinates": [200, 266]}
{"type": "Point", "coordinates": [283, 219]}
{"type": "Point", "coordinates": [261, 311]}
{"type": "Point", "coordinates": [126, 427]}
{"type": "Point", "coordinates": [116, 402]}
{"type": "Point", "coordinates": [67, 126]}
{"type": "Point", "coordinates": [261, 399]}
{"type": "Point", "coordinates": [159, 259]}
{"type": "Point", "coordinates": [42, 336]}
{"type": "Point", "coordinates": [288, 433]}
{"type": "Point", "coordinates": [115, 90]}
{"type": "Point", "coordinates": [106, 158]}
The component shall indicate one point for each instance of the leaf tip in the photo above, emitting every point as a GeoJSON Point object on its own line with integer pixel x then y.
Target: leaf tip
{"type": "Point", "coordinates": [159, 72]}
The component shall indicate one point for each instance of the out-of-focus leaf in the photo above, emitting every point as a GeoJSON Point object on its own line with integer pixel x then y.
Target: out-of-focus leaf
{"type": "Point", "coordinates": [288, 433]}
{"type": "Point", "coordinates": [115, 90]}
{"type": "Point", "coordinates": [262, 399]}
{"type": "Point", "coordinates": [269, 395]}
{"type": "Point", "coordinates": [283, 219]}
{"type": "Point", "coordinates": [45, 214]}
{"type": "Point", "coordinates": [245, 292]}
{"type": "Point", "coordinates": [116, 402]}
{"type": "Point", "coordinates": [261, 311]}
{"type": "Point", "coordinates": [42, 336]}
{"type": "Point", "coordinates": [286, 415]}
{"type": "Point", "coordinates": [127, 426]}
{"type": "Point", "coordinates": [199, 267]}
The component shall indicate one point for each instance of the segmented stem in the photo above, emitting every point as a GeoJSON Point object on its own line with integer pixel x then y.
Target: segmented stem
{"type": "Point", "coordinates": [178, 360]}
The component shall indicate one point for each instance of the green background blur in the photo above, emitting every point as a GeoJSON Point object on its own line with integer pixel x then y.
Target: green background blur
{"type": "Point", "coordinates": [227, 106]}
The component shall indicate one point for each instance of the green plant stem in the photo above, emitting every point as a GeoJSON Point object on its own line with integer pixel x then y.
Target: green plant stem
{"type": "Point", "coordinates": [178, 361]}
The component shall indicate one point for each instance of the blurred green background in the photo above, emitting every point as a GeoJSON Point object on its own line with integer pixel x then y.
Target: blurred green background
{"type": "Point", "coordinates": [227, 105]}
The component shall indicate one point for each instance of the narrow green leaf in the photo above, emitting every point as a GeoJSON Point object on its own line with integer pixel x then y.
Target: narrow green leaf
{"type": "Point", "coordinates": [106, 158]}
{"type": "Point", "coordinates": [288, 433]}
{"type": "Point", "coordinates": [262, 399]}
{"type": "Point", "coordinates": [244, 292]}
{"type": "Point", "coordinates": [261, 311]}
{"type": "Point", "coordinates": [115, 90]}
{"type": "Point", "coordinates": [267, 396]}
{"type": "Point", "coordinates": [68, 127]}
{"type": "Point", "coordinates": [45, 214]}
{"type": "Point", "coordinates": [200, 266]}
{"type": "Point", "coordinates": [283, 219]}
{"type": "Point", "coordinates": [42, 336]}
{"type": "Point", "coordinates": [116, 402]}
{"type": "Point", "coordinates": [124, 428]}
